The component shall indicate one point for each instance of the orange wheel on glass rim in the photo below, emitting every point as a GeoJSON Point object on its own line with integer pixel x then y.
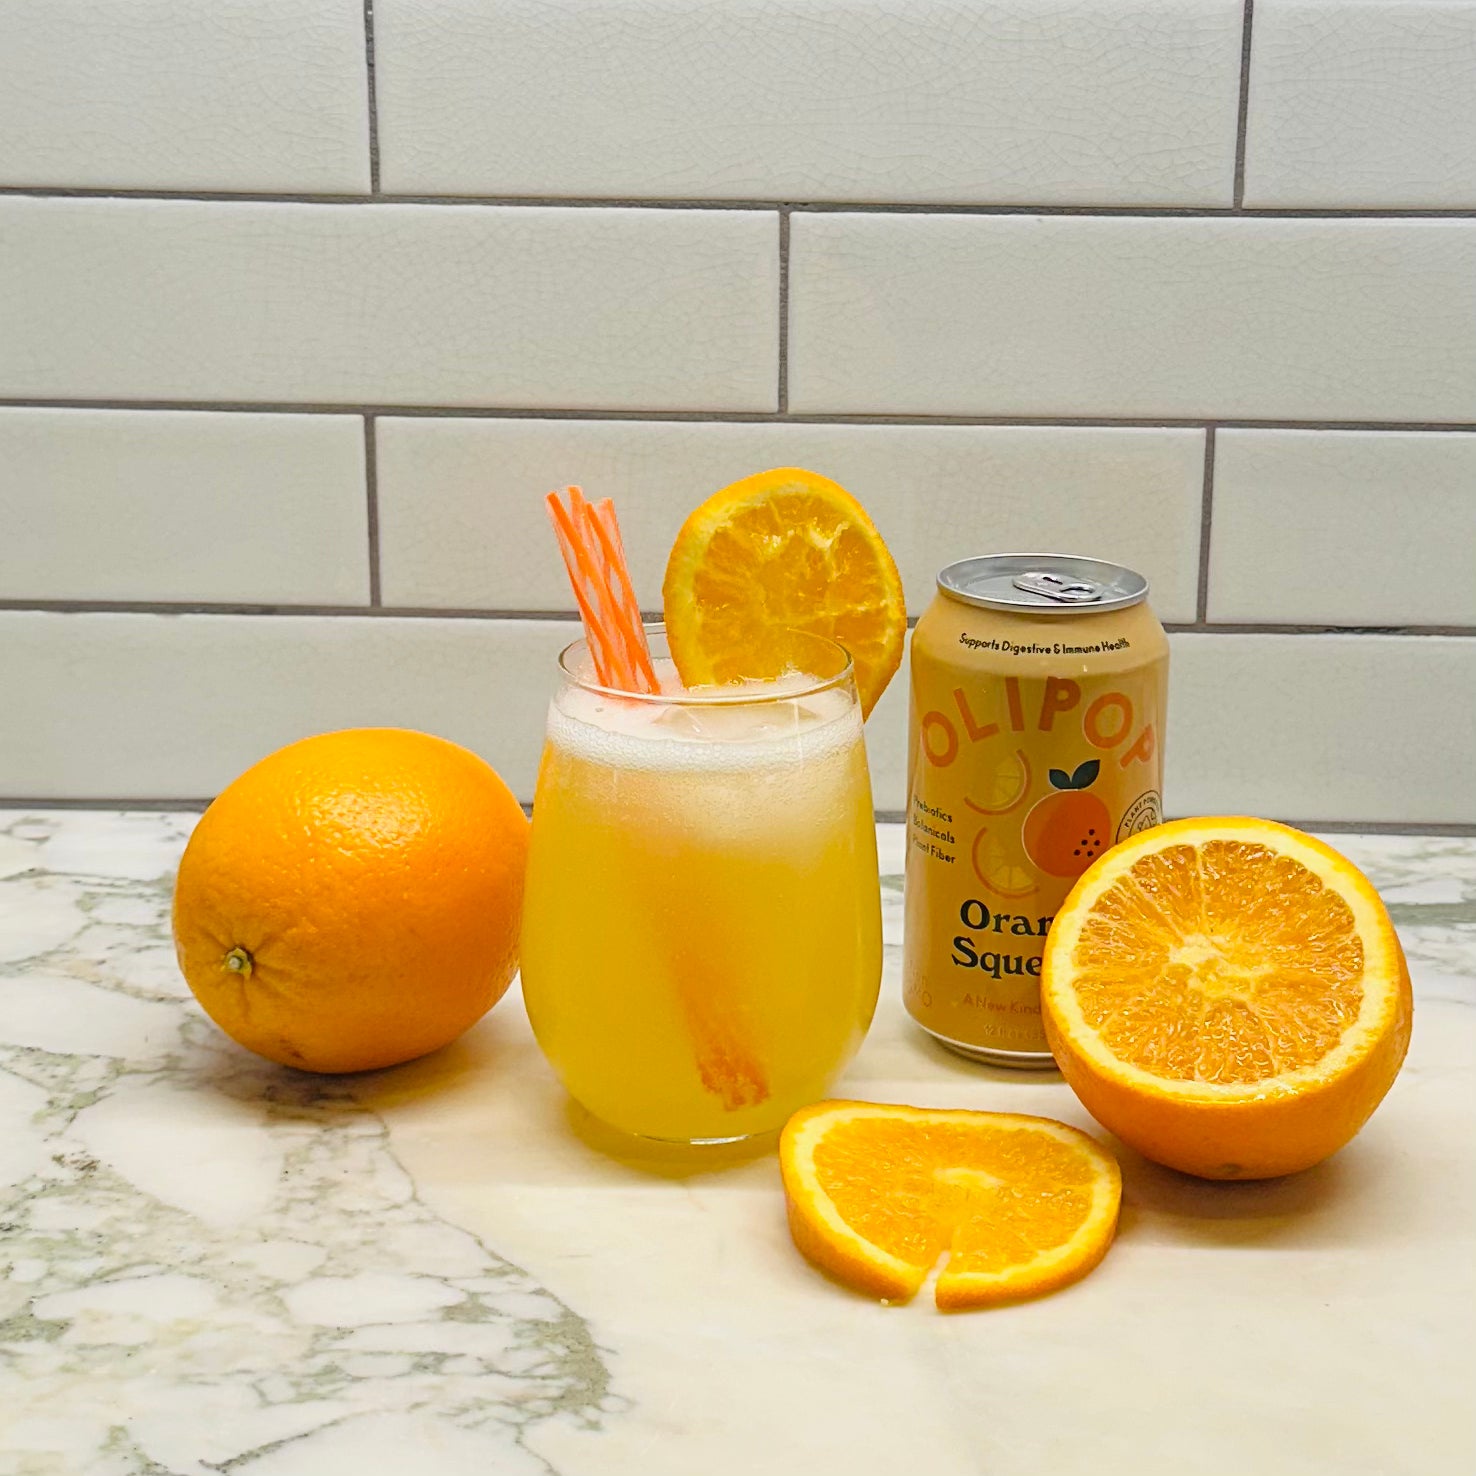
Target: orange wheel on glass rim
{"type": "Point", "coordinates": [1226, 995]}
{"type": "Point", "coordinates": [782, 550]}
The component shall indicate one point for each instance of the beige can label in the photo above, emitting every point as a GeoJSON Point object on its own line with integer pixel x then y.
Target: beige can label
{"type": "Point", "coordinates": [1032, 752]}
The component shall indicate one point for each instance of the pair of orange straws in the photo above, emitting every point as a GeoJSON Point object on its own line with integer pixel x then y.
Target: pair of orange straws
{"type": "Point", "coordinates": [594, 555]}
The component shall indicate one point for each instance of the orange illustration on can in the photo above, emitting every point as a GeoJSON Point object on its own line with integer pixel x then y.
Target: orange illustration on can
{"type": "Point", "coordinates": [1039, 684]}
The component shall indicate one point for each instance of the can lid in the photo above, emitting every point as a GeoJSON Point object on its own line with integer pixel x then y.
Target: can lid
{"type": "Point", "coordinates": [1043, 583]}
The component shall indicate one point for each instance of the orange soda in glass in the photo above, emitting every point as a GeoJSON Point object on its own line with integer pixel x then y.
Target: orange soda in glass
{"type": "Point", "coordinates": [701, 947]}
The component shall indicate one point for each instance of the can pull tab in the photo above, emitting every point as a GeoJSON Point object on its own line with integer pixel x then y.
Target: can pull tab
{"type": "Point", "coordinates": [1054, 587]}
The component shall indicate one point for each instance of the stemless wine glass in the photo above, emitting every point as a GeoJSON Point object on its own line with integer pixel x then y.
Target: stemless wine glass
{"type": "Point", "coordinates": [701, 942]}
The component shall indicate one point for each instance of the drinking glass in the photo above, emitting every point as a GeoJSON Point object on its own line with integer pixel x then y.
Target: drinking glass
{"type": "Point", "coordinates": [701, 944]}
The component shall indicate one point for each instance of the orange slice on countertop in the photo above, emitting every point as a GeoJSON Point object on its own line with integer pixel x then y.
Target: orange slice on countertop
{"type": "Point", "coordinates": [1226, 995]}
{"type": "Point", "coordinates": [784, 550]}
{"type": "Point", "coordinates": [878, 1193]}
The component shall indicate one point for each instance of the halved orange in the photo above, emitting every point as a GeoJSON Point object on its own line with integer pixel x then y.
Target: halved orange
{"type": "Point", "coordinates": [781, 551]}
{"type": "Point", "coordinates": [1226, 995]}
{"type": "Point", "coordinates": [877, 1193]}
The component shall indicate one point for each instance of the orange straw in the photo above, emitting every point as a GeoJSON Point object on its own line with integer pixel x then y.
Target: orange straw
{"type": "Point", "coordinates": [594, 631]}
{"type": "Point", "coordinates": [606, 530]}
{"type": "Point", "coordinates": [594, 556]}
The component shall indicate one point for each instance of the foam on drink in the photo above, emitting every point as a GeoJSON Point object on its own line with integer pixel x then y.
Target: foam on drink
{"type": "Point", "coordinates": [746, 725]}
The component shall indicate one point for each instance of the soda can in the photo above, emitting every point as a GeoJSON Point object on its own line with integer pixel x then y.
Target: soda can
{"type": "Point", "coordinates": [1035, 742]}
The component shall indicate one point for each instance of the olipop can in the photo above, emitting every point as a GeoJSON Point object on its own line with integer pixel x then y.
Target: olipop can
{"type": "Point", "coordinates": [1035, 742]}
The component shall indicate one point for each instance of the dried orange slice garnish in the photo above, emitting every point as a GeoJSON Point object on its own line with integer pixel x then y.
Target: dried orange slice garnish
{"type": "Point", "coordinates": [781, 551]}
{"type": "Point", "coordinates": [877, 1193]}
{"type": "Point", "coordinates": [1227, 995]}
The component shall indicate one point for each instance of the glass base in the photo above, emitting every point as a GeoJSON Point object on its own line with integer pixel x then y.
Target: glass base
{"type": "Point", "coordinates": [696, 1142]}
{"type": "Point", "coordinates": [621, 1142]}
{"type": "Point", "coordinates": [990, 1056]}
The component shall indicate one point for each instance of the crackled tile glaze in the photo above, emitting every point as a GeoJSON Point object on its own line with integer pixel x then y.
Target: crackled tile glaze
{"type": "Point", "coordinates": [1361, 528]}
{"type": "Point", "coordinates": [1232, 319]}
{"type": "Point", "coordinates": [189, 505]}
{"type": "Point", "coordinates": [172, 94]}
{"type": "Point", "coordinates": [1069, 101]}
{"type": "Point", "coordinates": [210, 1263]}
{"type": "Point", "coordinates": [1291, 726]}
{"type": "Point", "coordinates": [191, 700]}
{"type": "Point", "coordinates": [459, 526]}
{"type": "Point", "coordinates": [1322, 727]}
{"type": "Point", "coordinates": [1362, 103]}
{"type": "Point", "coordinates": [401, 304]}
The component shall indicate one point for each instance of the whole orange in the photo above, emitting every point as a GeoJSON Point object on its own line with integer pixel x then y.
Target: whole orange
{"type": "Point", "coordinates": [353, 900]}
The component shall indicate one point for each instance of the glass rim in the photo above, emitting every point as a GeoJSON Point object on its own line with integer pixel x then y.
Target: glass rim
{"type": "Point", "coordinates": [713, 696]}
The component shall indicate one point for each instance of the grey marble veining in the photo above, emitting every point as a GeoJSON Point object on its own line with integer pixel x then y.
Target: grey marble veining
{"type": "Point", "coordinates": [210, 1264]}
{"type": "Point", "coordinates": [229, 1255]}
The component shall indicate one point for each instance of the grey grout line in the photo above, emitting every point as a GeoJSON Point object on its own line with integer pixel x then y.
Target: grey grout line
{"type": "Point", "coordinates": [1130, 212]}
{"type": "Point", "coordinates": [726, 417]}
{"type": "Point", "coordinates": [372, 97]}
{"type": "Point", "coordinates": [371, 507]}
{"type": "Point", "coordinates": [819, 207]}
{"type": "Point", "coordinates": [1251, 627]}
{"type": "Point", "coordinates": [1385, 827]}
{"type": "Point", "coordinates": [275, 611]}
{"type": "Point", "coordinates": [885, 817]}
{"type": "Point", "coordinates": [1242, 117]}
{"type": "Point", "coordinates": [1206, 516]}
{"type": "Point", "coordinates": [1331, 827]}
{"type": "Point", "coordinates": [783, 400]}
{"type": "Point", "coordinates": [473, 612]}
{"type": "Point", "coordinates": [20, 802]}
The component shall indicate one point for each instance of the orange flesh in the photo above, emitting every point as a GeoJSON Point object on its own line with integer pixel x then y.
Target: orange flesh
{"type": "Point", "coordinates": [1227, 962]}
{"type": "Point", "coordinates": [995, 1198]}
{"type": "Point", "coordinates": [788, 560]}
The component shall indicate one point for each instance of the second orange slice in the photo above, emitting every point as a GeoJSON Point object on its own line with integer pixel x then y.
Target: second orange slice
{"type": "Point", "coordinates": [785, 550]}
{"type": "Point", "coordinates": [877, 1193]}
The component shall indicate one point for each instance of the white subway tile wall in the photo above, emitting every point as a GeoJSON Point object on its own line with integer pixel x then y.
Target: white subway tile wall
{"type": "Point", "coordinates": [1344, 528]}
{"type": "Point", "coordinates": [1055, 102]}
{"type": "Point", "coordinates": [1068, 315]}
{"type": "Point", "coordinates": [1359, 103]}
{"type": "Point", "coordinates": [182, 703]}
{"type": "Point", "coordinates": [303, 306]}
{"type": "Point", "coordinates": [457, 527]}
{"type": "Point", "coordinates": [1373, 726]}
{"type": "Point", "coordinates": [1302, 726]}
{"type": "Point", "coordinates": [191, 505]}
{"type": "Point", "coordinates": [400, 304]}
{"type": "Point", "coordinates": [156, 94]}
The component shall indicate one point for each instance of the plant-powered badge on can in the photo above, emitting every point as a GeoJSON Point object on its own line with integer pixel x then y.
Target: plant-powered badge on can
{"type": "Point", "coordinates": [1035, 742]}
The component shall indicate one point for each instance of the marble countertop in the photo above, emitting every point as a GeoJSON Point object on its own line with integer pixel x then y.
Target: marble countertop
{"type": "Point", "coordinates": [209, 1264]}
